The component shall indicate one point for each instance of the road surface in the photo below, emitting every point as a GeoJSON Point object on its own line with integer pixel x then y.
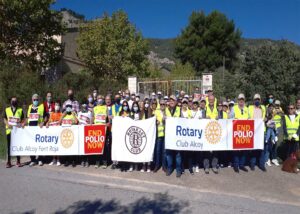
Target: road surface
{"type": "Point", "coordinates": [52, 189]}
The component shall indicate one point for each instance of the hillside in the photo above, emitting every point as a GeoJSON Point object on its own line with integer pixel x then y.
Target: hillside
{"type": "Point", "coordinates": [164, 48]}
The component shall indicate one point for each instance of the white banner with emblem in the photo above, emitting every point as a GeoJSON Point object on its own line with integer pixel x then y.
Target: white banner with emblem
{"type": "Point", "coordinates": [213, 135]}
{"type": "Point", "coordinates": [133, 141]}
{"type": "Point", "coordinates": [55, 140]}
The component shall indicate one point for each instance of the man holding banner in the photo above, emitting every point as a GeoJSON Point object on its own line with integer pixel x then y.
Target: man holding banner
{"type": "Point", "coordinates": [240, 112]}
{"type": "Point", "coordinates": [257, 111]}
{"type": "Point", "coordinates": [173, 111]}
{"type": "Point", "coordinates": [100, 117]}
{"type": "Point", "coordinates": [13, 116]}
{"type": "Point", "coordinates": [36, 116]}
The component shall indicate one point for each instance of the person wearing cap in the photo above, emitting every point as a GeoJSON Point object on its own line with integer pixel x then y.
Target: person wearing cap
{"type": "Point", "coordinates": [85, 118]}
{"type": "Point", "coordinates": [210, 92]}
{"type": "Point", "coordinates": [69, 118]}
{"type": "Point", "coordinates": [173, 111]}
{"type": "Point", "coordinates": [159, 95]}
{"type": "Point", "coordinates": [270, 137]}
{"type": "Point", "coordinates": [211, 109]}
{"type": "Point", "coordinates": [208, 156]}
{"type": "Point", "coordinates": [54, 120]}
{"type": "Point", "coordinates": [225, 107]}
{"type": "Point", "coordinates": [291, 131]}
{"type": "Point", "coordinates": [13, 117]}
{"type": "Point", "coordinates": [230, 110]}
{"type": "Point", "coordinates": [221, 113]}
{"type": "Point", "coordinates": [153, 96]}
{"type": "Point", "coordinates": [240, 112]}
{"type": "Point", "coordinates": [160, 154]}
{"type": "Point", "coordinates": [36, 116]}
{"type": "Point", "coordinates": [100, 116]}
{"type": "Point", "coordinates": [195, 157]}
{"type": "Point", "coordinates": [257, 111]}
{"type": "Point", "coordinates": [185, 111]}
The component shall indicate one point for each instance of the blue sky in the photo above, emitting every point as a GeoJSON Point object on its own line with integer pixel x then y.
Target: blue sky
{"type": "Point", "coordinates": [274, 19]}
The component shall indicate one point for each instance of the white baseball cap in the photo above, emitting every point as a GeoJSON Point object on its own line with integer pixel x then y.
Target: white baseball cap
{"type": "Point", "coordinates": [241, 96]}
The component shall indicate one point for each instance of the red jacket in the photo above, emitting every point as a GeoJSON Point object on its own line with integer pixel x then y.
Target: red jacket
{"type": "Point", "coordinates": [46, 107]}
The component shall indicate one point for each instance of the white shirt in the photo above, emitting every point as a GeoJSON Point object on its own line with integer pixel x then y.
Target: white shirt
{"type": "Point", "coordinates": [292, 117]}
{"type": "Point", "coordinates": [85, 118]}
{"type": "Point", "coordinates": [197, 114]}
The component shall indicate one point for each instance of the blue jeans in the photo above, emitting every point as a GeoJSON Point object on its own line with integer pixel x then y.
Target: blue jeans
{"type": "Point", "coordinates": [257, 155]}
{"type": "Point", "coordinates": [239, 159]}
{"type": "Point", "coordinates": [170, 154]}
{"type": "Point", "coordinates": [270, 135]}
{"type": "Point", "coordinates": [160, 153]}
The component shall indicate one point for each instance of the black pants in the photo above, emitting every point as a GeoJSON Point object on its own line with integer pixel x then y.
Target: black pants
{"type": "Point", "coordinates": [8, 150]}
{"type": "Point", "coordinates": [291, 147]}
{"type": "Point", "coordinates": [106, 159]}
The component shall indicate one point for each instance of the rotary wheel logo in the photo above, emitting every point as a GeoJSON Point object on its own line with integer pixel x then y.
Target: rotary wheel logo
{"type": "Point", "coordinates": [213, 132]}
{"type": "Point", "coordinates": [135, 139]}
{"type": "Point", "coordinates": [67, 138]}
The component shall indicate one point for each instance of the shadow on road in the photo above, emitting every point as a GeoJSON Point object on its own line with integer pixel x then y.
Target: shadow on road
{"type": "Point", "coordinates": [161, 203]}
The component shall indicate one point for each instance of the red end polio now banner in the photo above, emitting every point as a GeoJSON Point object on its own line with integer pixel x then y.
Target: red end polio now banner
{"type": "Point", "coordinates": [94, 139]}
{"type": "Point", "coordinates": [243, 134]}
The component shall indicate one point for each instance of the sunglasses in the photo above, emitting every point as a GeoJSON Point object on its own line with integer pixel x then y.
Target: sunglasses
{"type": "Point", "coordinates": [35, 100]}
{"type": "Point", "coordinates": [291, 108]}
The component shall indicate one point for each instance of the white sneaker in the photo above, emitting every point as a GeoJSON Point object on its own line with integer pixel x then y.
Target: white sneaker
{"type": "Point", "coordinates": [130, 169]}
{"type": "Point", "coordinates": [52, 163]}
{"type": "Point", "coordinates": [268, 163]}
{"type": "Point", "coordinates": [40, 163]}
{"type": "Point", "coordinates": [197, 169]}
{"type": "Point", "coordinates": [32, 164]}
{"type": "Point", "coordinates": [58, 163]}
{"type": "Point", "coordinates": [275, 162]}
{"type": "Point", "coordinates": [148, 170]}
{"type": "Point", "coordinates": [142, 170]}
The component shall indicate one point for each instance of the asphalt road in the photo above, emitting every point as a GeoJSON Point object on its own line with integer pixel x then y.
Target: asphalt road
{"type": "Point", "coordinates": [52, 189]}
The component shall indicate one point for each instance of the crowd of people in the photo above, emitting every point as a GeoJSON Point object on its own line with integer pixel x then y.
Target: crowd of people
{"type": "Point", "coordinates": [99, 109]}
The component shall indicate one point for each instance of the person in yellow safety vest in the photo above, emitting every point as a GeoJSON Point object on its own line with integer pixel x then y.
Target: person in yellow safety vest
{"type": "Point", "coordinates": [225, 108]}
{"type": "Point", "coordinates": [185, 111]}
{"type": "Point", "coordinates": [13, 117]}
{"type": "Point", "coordinates": [240, 112]}
{"type": "Point", "coordinates": [116, 108]}
{"type": "Point", "coordinates": [210, 157]}
{"type": "Point", "coordinates": [258, 111]}
{"type": "Point", "coordinates": [100, 117]}
{"type": "Point", "coordinates": [209, 93]}
{"type": "Point", "coordinates": [221, 113]}
{"type": "Point", "coordinates": [36, 116]}
{"type": "Point", "coordinates": [291, 130]}
{"type": "Point", "coordinates": [211, 109]}
{"type": "Point", "coordinates": [278, 114]}
{"type": "Point", "coordinates": [173, 111]}
{"type": "Point", "coordinates": [160, 153]}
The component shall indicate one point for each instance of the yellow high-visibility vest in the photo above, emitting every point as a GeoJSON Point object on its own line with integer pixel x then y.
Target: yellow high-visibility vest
{"type": "Point", "coordinates": [251, 111]}
{"type": "Point", "coordinates": [100, 114]}
{"type": "Point", "coordinates": [40, 112]}
{"type": "Point", "coordinates": [292, 127]}
{"type": "Point", "coordinates": [11, 116]}
{"type": "Point", "coordinates": [238, 112]}
{"type": "Point", "coordinates": [160, 127]}
{"type": "Point", "coordinates": [212, 114]}
{"type": "Point", "coordinates": [277, 120]}
{"type": "Point", "coordinates": [176, 114]}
